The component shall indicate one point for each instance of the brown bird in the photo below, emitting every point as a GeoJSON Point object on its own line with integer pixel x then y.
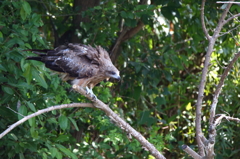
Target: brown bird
{"type": "Point", "coordinates": [84, 65]}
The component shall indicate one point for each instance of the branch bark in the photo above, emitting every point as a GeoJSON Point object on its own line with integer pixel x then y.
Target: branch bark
{"type": "Point", "coordinates": [219, 87]}
{"type": "Point", "coordinates": [96, 104]}
{"type": "Point", "coordinates": [203, 21]}
{"type": "Point", "coordinates": [121, 123]}
{"type": "Point", "coordinates": [124, 35]}
{"type": "Point", "coordinates": [231, 18]}
{"type": "Point", "coordinates": [212, 40]}
{"type": "Point", "coordinates": [190, 151]}
{"type": "Point", "coordinates": [39, 112]}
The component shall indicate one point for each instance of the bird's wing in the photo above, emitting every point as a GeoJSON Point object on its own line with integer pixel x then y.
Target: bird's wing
{"type": "Point", "coordinates": [76, 60]}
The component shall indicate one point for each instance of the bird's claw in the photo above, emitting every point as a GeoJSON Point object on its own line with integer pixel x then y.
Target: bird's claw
{"type": "Point", "coordinates": [89, 91]}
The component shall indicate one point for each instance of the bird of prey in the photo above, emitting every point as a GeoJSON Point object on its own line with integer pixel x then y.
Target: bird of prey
{"type": "Point", "coordinates": [84, 65]}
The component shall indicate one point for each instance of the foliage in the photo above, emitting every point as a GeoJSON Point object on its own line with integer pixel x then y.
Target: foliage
{"type": "Point", "coordinates": [160, 68]}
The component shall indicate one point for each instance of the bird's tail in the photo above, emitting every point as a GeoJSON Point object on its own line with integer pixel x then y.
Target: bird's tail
{"type": "Point", "coordinates": [41, 54]}
{"type": "Point", "coordinates": [48, 57]}
{"type": "Point", "coordinates": [34, 58]}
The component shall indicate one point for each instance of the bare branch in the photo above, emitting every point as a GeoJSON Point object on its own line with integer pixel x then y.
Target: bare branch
{"type": "Point", "coordinates": [219, 87]}
{"type": "Point", "coordinates": [190, 151]}
{"type": "Point", "coordinates": [203, 21]}
{"type": "Point", "coordinates": [212, 41]}
{"type": "Point", "coordinates": [229, 31]}
{"type": "Point", "coordinates": [39, 112]}
{"type": "Point", "coordinates": [121, 123]}
{"type": "Point", "coordinates": [221, 116]}
{"type": "Point", "coordinates": [227, 2]}
{"type": "Point", "coordinates": [130, 33]}
{"type": "Point", "coordinates": [231, 18]}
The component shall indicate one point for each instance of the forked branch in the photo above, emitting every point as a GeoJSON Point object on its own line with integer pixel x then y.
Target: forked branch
{"type": "Point", "coordinates": [219, 87]}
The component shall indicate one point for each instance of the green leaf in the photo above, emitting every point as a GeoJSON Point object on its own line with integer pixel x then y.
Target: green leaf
{"type": "Point", "coordinates": [74, 123]}
{"type": "Point", "coordinates": [22, 111]}
{"type": "Point", "coordinates": [2, 68]}
{"type": "Point", "coordinates": [1, 36]}
{"type": "Point", "coordinates": [137, 92]}
{"type": "Point", "coordinates": [14, 136]}
{"type": "Point", "coordinates": [123, 14]}
{"type": "Point", "coordinates": [63, 122]}
{"type": "Point", "coordinates": [14, 41]}
{"type": "Point", "coordinates": [32, 121]}
{"type": "Point", "coordinates": [8, 90]}
{"type": "Point", "coordinates": [27, 72]}
{"type": "Point", "coordinates": [33, 132]}
{"type": "Point", "coordinates": [160, 100]}
{"type": "Point", "coordinates": [31, 106]}
{"type": "Point", "coordinates": [39, 78]}
{"type": "Point", "coordinates": [25, 10]}
{"type": "Point", "coordinates": [66, 151]}
{"type": "Point", "coordinates": [53, 152]}
{"type": "Point", "coordinates": [63, 138]}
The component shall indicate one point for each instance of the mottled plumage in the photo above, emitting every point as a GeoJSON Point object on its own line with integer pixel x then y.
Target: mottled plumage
{"type": "Point", "coordinates": [82, 64]}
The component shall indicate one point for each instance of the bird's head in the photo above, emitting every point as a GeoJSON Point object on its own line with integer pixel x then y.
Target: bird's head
{"type": "Point", "coordinates": [113, 73]}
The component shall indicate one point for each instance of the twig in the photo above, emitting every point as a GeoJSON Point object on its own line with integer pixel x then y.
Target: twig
{"type": "Point", "coordinates": [218, 120]}
{"type": "Point", "coordinates": [39, 112]}
{"type": "Point", "coordinates": [15, 111]}
{"type": "Point", "coordinates": [229, 31]}
{"type": "Point", "coordinates": [203, 21]}
{"type": "Point", "coordinates": [231, 18]}
{"type": "Point", "coordinates": [121, 123]}
{"type": "Point", "coordinates": [219, 87]}
{"type": "Point", "coordinates": [227, 2]}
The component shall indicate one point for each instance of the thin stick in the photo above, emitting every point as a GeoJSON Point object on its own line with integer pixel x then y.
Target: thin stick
{"type": "Point", "coordinates": [227, 2]}
{"type": "Point", "coordinates": [203, 21]}
{"type": "Point", "coordinates": [121, 123]}
{"type": "Point", "coordinates": [219, 87]}
{"type": "Point", "coordinates": [39, 112]}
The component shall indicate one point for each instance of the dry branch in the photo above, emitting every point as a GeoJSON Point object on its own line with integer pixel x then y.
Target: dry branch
{"type": "Point", "coordinates": [39, 112]}
{"type": "Point", "coordinates": [97, 104]}
{"type": "Point", "coordinates": [219, 87]}
{"type": "Point", "coordinates": [121, 123]}
{"type": "Point", "coordinates": [203, 21]}
{"type": "Point", "coordinates": [212, 39]}
{"type": "Point", "coordinates": [190, 151]}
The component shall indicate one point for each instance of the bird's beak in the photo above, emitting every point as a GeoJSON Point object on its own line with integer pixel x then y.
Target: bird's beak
{"type": "Point", "coordinates": [118, 78]}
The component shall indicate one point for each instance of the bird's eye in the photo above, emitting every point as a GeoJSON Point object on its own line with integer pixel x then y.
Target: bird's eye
{"type": "Point", "coordinates": [111, 72]}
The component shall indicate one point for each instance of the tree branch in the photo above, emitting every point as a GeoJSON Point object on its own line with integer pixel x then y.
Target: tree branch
{"type": "Point", "coordinates": [211, 44]}
{"type": "Point", "coordinates": [229, 31]}
{"type": "Point", "coordinates": [39, 112]}
{"type": "Point", "coordinates": [125, 34]}
{"type": "Point", "coordinates": [130, 33]}
{"type": "Point", "coordinates": [121, 123]}
{"type": "Point", "coordinates": [190, 151]}
{"type": "Point", "coordinates": [219, 87]}
{"type": "Point", "coordinates": [222, 116]}
{"type": "Point", "coordinates": [231, 18]}
{"type": "Point", "coordinates": [203, 21]}
{"type": "Point", "coordinates": [212, 121]}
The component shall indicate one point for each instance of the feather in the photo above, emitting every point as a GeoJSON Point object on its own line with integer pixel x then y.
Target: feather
{"type": "Point", "coordinates": [83, 64]}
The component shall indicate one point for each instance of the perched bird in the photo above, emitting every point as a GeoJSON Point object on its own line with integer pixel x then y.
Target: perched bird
{"type": "Point", "coordinates": [84, 65]}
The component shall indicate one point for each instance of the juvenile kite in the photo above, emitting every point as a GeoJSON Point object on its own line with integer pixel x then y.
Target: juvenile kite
{"type": "Point", "coordinates": [82, 64]}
